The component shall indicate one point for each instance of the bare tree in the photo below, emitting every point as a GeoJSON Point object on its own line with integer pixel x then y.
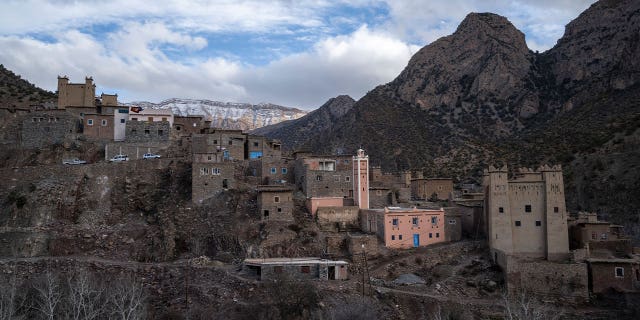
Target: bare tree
{"type": "Point", "coordinates": [10, 299]}
{"type": "Point", "coordinates": [48, 296]}
{"type": "Point", "coordinates": [85, 297]}
{"type": "Point", "coordinates": [523, 306]}
{"type": "Point", "coordinates": [126, 300]}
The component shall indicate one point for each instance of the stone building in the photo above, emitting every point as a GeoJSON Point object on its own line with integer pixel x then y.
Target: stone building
{"type": "Point", "coordinates": [619, 274]}
{"type": "Point", "coordinates": [403, 228]}
{"type": "Point", "coordinates": [324, 176]}
{"type": "Point", "coordinates": [275, 202]}
{"type": "Point", "coordinates": [147, 131]}
{"type": "Point", "coordinates": [297, 268]}
{"type": "Point", "coordinates": [188, 125]}
{"type": "Point", "coordinates": [210, 178]}
{"type": "Point", "coordinates": [586, 228]}
{"type": "Point", "coordinates": [380, 197]}
{"type": "Point", "coordinates": [81, 95]}
{"type": "Point", "coordinates": [431, 188]}
{"type": "Point", "coordinates": [219, 145]}
{"type": "Point", "coordinates": [526, 216]}
{"type": "Point", "coordinates": [393, 180]}
{"type": "Point", "coordinates": [98, 126]}
{"type": "Point", "coordinates": [45, 128]}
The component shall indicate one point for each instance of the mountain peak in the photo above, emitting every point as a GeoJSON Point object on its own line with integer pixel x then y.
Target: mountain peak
{"type": "Point", "coordinates": [486, 26]}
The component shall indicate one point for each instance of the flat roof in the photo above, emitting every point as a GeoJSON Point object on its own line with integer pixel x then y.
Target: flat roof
{"type": "Point", "coordinates": [292, 261]}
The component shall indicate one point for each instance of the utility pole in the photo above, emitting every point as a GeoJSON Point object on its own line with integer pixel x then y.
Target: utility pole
{"type": "Point", "coordinates": [363, 271]}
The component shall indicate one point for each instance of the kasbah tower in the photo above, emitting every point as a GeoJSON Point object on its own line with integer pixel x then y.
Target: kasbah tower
{"type": "Point", "coordinates": [361, 179]}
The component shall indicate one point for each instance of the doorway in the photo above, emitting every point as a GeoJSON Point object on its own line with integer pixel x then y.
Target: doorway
{"type": "Point", "coordinates": [416, 240]}
{"type": "Point", "coordinates": [332, 272]}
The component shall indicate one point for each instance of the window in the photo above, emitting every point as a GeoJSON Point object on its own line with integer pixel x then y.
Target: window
{"type": "Point", "coordinates": [430, 235]}
{"type": "Point", "coordinates": [603, 236]}
{"type": "Point", "coordinates": [89, 122]}
{"type": "Point", "coordinates": [305, 269]}
{"type": "Point", "coordinates": [527, 208]}
{"type": "Point", "coordinates": [395, 222]}
{"type": "Point", "coordinates": [501, 210]}
{"type": "Point", "coordinates": [276, 199]}
{"type": "Point", "coordinates": [215, 171]}
{"type": "Point", "coordinates": [327, 165]}
{"type": "Point", "coordinates": [134, 119]}
{"type": "Point", "coordinates": [178, 128]}
{"type": "Point", "coordinates": [255, 143]}
{"type": "Point", "coordinates": [225, 183]}
{"type": "Point", "coordinates": [318, 178]}
{"type": "Point", "coordinates": [204, 171]}
{"type": "Point", "coordinates": [399, 237]}
{"type": "Point", "coordinates": [393, 237]}
{"type": "Point", "coordinates": [555, 209]}
{"type": "Point", "coordinates": [518, 223]}
{"type": "Point", "coordinates": [273, 170]}
{"type": "Point", "coordinates": [452, 221]}
{"type": "Point", "coordinates": [347, 179]}
{"type": "Point", "coordinates": [415, 221]}
{"type": "Point", "coordinates": [146, 131]}
{"type": "Point", "coordinates": [121, 120]}
{"type": "Point", "coordinates": [284, 170]}
{"type": "Point", "coordinates": [437, 235]}
{"type": "Point", "coordinates": [215, 141]}
{"type": "Point", "coordinates": [230, 142]}
{"type": "Point", "coordinates": [278, 269]}
{"type": "Point", "coordinates": [434, 220]}
{"type": "Point", "coordinates": [104, 122]}
{"type": "Point", "coordinates": [208, 157]}
{"type": "Point", "coordinates": [279, 209]}
{"type": "Point", "coordinates": [538, 223]}
{"type": "Point", "coordinates": [160, 132]}
{"type": "Point", "coordinates": [134, 131]}
{"type": "Point", "coordinates": [619, 272]}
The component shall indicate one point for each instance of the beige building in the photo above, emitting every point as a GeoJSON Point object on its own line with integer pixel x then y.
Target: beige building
{"type": "Point", "coordinates": [275, 202]}
{"type": "Point", "coordinates": [76, 94]}
{"type": "Point", "coordinates": [431, 188]}
{"type": "Point", "coordinates": [526, 216]}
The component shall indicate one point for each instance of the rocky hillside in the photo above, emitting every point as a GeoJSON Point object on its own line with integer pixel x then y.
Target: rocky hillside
{"type": "Point", "coordinates": [295, 132]}
{"type": "Point", "coordinates": [229, 115]}
{"type": "Point", "coordinates": [17, 92]}
{"type": "Point", "coordinates": [480, 96]}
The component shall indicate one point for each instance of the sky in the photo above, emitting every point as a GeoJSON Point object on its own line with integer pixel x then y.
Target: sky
{"type": "Point", "coordinates": [295, 53]}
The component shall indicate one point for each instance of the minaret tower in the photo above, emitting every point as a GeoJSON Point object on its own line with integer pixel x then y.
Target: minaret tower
{"type": "Point", "coordinates": [361, 180]}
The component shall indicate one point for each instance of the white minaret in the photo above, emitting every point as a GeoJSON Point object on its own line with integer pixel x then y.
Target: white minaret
{"type": "Point", "coordinates": [361, 180]}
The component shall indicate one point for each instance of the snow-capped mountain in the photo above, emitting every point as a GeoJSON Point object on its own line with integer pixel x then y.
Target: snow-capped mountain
{"type": "Point", "coordinates": [228, 115]}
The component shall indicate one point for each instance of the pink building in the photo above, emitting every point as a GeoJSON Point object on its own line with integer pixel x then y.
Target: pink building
{"type": "Point", "coordinates": [314, 203]}
{"type": "Point", "coordinates": [403, 228]}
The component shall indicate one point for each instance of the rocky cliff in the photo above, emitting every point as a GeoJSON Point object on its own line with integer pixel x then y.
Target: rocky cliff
{"type": "Point", "coordinates": [228, 115]}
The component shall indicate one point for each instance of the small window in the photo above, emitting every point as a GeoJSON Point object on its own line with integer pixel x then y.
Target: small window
{"type": "Point", "coordinates": [437, 235]}
{"type": "Point", "coordinates": [305, 269]}
{"type": "Point", "coordinates": [278, 269]}
{"type": "Point", "coordinates": [279, 209]}
{"type": "Point", "coordinates": [434, 220]}
{"type": "Point", "coordinates": [134, 119]}
{"type": "Point", "coordinates": [273, 170]}
{"type": "Point", "coordinates": [347, 179]}
{"type": "Point", "coordinates": [208, 157]}
{"type": "Point", "coordinates": [178, 128]}
{"type": "Point", "coordinates": [104, 122]}
{"type": "Point", "coordinates": [527, 208]}
{"type": "Point", "coordinates": [619, 272]}
{"type": "Point", "coordinates": [225, 183]}
{"type": "Point", "coordinates": [594, 236]}
{"type": "Point", "coordinates": [399, 237]}
{"type": "Point", "coordinates": [122, 121]}
{"type": "Point", "coordinates": [160, 132]}
{"type": "Point", "coordinates": [518, 223]}
{"type": "Point", "coordinates": [603, 236]}
{"type": "Point", "coordinates": [318, 178]}
{"type": "Point", "coordinates": [430, 235]}
{"type": "Point", "coordinates": [393, 237]}
{"type": "Point", "coordinates": [556, 210]}
{"type": "Point", "coordinates": [415, 221]}
{"type": "Point", "coordinates": [215, 171]}
{"type": "Point", "coordinates": [215, 141]}
{"type": "Point", "coordinates": [395, 221]}
{"type": "Point", "coordinates": [276, 199]}
{"type": "Point", "coordinates": [146, 131]}
{"type": "Point", "coordinates": [255, 144]}
{"type": "Point", "coordinates": [89, 122]}
{"type": "Point", "coordinates": [452, 221]}
{"type": "Point", "coordinates": [284, 170]}
{"type": "Point", "coordinates": [230, 142]}
{"type": "Point", "coordinates": [501, 210]}
{"type": "Point", "coordinates": [204, 171]}
{"type": "Point", "coordinates": [538, 223]}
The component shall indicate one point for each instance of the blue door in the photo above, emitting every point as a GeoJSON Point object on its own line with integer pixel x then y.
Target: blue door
{"type": "Point", "coordinates": [416, 240]}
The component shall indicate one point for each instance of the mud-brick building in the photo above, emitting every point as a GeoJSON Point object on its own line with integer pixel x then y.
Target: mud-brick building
{"type": "Point", "coordinates": [585, 228]}
{"type": "Point", "coordinates": [619, 274]}
{"type": "Point", "coordinates": [403, 228]}
{"type": "Point", "coordinates": [275, 202]}
{"type": "Point", "coordinates": [297, 268]}
{"type": "Point", "coordinates": [324, 176]}
{"type": "Point", "coordinates": [526, 215]}
{"type": "Point", "coordinates": [98, 126]}
{"type": "Point", "coordinates": [184, 126]}
{"type": "Point", "coordinates": [338, 218]}
{"type": "Point", "coordinates": [431, 188]}
{"type": "Point", "coordinates": [219, 145]}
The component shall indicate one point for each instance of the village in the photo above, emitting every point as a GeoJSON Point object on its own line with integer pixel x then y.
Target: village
{"type": "Point", "coordinates": [361, 210]}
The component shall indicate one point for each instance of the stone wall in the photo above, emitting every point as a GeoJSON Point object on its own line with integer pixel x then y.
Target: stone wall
{"type": "Point", "coordinates": [564, 282]}
{"type": "Point", "coordinates": [145, 131]}
{"type": "Point", "coordinates": [337, 218]}
{"type": "Point", "coordinates": [134, 150]}
{"type": "Point", "coordinates": [380, 198]}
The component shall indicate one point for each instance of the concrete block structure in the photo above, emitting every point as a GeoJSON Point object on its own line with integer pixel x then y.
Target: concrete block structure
{"type": "Point", "coordinates": [297, 268]}
{"type": "Point", "coordinates": [526, 216]}
{"type": "Point", "coordinates": [403, 228]}
{"type": "Point", "coordinates": [431, 188]}
{"type": "Point", "coordinates": [275, 202]}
